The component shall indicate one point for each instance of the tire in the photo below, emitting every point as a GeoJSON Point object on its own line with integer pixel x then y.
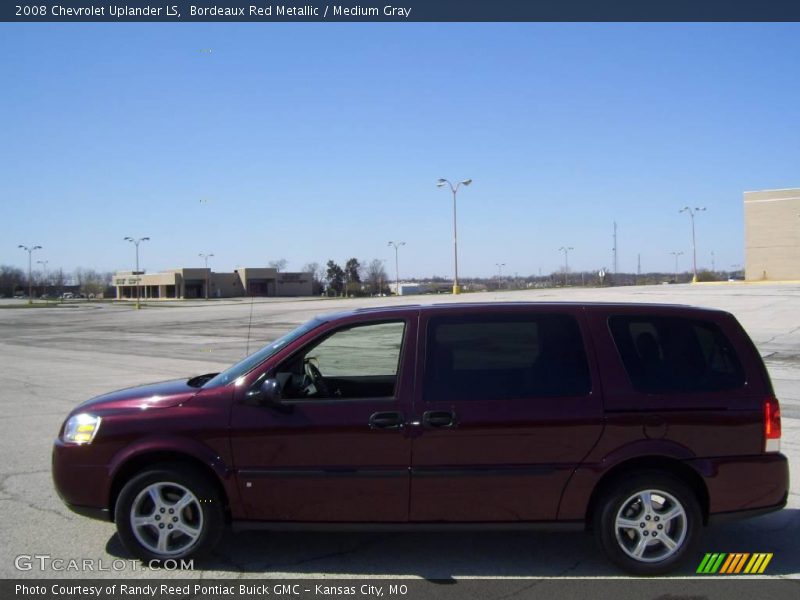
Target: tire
{"type": "Point", "coordinates": [149, 530]}
{"type": "Point", "coordinates": [659, 539]}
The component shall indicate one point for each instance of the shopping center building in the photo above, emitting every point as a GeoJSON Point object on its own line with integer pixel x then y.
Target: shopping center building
{"type": "Point", "coordinates": [192, 283]}
{"type": "Point", "coordinates": [772, 235]}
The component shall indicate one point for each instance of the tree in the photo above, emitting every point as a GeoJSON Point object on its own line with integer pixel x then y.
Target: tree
{"type": "Point", "coordinates": [279, 264]}
{"type": "Point", "coordinates": [58, 280]}
{"type": "Point", "coordinates": [376, 277]}
{"type": "Point", "coordinates": [352, 277]}
{"type": "Point", "coordinates": [317, 276]}
{"type": "Point", "coordinates": [335, 277]}
{"type": "Point", "coordinates": [91, 281]}
{"type": "Point", "coordinates": [11, 280]}
{"type": "Point", "coordinates": [352, 270]}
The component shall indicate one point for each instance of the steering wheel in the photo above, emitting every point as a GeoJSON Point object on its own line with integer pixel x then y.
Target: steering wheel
{"type": "Point", "coordinates": [316, 378]}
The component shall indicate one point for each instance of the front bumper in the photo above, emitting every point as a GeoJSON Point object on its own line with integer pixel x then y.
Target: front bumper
{"type": "Point", "coordinates": [82, 485]}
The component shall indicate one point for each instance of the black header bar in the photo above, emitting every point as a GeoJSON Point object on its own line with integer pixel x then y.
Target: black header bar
{"type": "Point", "coordinates": [265, 11]}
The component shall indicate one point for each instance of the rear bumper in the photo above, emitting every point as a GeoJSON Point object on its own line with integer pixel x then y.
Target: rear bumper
{"type": "Point", "coordinates": [736, 515]}
{"type": "Point", "coordinates": [747, 485]}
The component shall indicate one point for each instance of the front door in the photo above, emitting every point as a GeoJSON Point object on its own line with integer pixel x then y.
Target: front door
{"type": "Point", "coordinates": [336, 447]}
{"type": "Point", "coordinates": [507, 407]}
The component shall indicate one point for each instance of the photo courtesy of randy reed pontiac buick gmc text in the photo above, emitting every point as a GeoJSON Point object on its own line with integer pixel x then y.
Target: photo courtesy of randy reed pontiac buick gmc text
{"type": "Point", "coordinates": [639, 423]}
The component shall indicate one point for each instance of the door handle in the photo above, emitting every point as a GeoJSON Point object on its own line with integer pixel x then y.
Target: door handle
{"type": "Point", "coordinates": [386, 420]}
{"type": "Point", "coordinates": [439, 418]}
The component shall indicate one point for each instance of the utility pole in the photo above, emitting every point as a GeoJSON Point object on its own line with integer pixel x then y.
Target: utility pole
{"type": "Point", "coordinates": [396, 246]}
{"type": "Point", "coordinates": [206, 257]}
{"type": "Point", "coordinates": [454, 188]}
{"type": "Point", "coordinates": [565, 250]}
{"type": "Point", "coordinates": [30, 250]}
{"type": "Point", "coordinates": [44, 277]}
{"type": "Point", "coordinates": [138, 275]}
{"type": "Point", "coordinates": [692, 212]}
{"type": "Point", "coordinates": [615, 247]}
{"type": "Point", "coordinates": [676, 255]}
{"type": "Point", "coordinates": [638, 267]}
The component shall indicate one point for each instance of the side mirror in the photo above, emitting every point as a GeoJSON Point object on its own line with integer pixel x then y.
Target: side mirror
{"type": "Point", "coordinates": [267, 394]}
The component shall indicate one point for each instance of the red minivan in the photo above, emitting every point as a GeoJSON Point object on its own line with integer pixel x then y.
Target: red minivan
{"type": "Point", "coordinates": [641, 423]}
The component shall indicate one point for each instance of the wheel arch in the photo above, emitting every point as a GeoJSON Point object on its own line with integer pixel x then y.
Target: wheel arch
{"type": "Point", "coordinates": [137, 463]}
{"type": "Point", "coordinates": [664, 464]}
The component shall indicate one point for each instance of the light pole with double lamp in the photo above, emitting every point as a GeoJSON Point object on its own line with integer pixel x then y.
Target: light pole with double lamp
{"type": "Point", "coordinates": [565, 250]}
{"type": "Point", "coordinates": [206, 257]}
{"type": "Point", "coordinates": [44, 276]}
{"type": "Point", "coordinates": [137, 273]}
{"type": "Point", "coordinates": [454, 189]}
{"type": "Point", "coordinates": [29, 250]}
{"type": "Point", "coordinates": [676, 255]}
{"type": "Point", "coordinates": [692, 212]}
{"type": "Point", "coordinates": [396, 246]}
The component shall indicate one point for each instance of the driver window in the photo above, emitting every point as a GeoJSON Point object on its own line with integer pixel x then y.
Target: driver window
{"type": "Point", "coordinates": [355, 362]}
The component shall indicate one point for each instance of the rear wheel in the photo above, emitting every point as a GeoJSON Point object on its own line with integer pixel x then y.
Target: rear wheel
{"type": "Point", "coordinates": [648, 523]}
{"type": "Point", "coordinates": [169, 512]}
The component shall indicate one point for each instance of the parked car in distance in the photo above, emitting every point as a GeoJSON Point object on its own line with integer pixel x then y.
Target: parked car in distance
{"type": "Point", "coordinates": [639, 423]}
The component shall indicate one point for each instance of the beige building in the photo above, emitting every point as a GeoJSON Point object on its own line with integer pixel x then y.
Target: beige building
{"type": "Point", "coordinates": [191, 283]}
{"type": "Point", "coordinates": [772, 235]}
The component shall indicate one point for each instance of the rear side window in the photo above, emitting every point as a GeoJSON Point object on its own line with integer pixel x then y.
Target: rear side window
{"type": "Point", "coordinates": [504, 357]}
{"type": "Point", "coordinates": [673, 354]}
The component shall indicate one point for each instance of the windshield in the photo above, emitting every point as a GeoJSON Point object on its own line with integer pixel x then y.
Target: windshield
{"type": "Point", "coordinates": [261, 355]}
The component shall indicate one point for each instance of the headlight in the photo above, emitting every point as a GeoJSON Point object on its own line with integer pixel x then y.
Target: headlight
{"type": "Point", "coordinates": [81, 429]}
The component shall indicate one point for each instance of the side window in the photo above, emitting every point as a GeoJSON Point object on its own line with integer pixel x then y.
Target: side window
{"type": "Point", "coordinates": [504, 358]}
{"type": "Point", "coordinates": [673, 354]}
{"type": "Point", "coordinates": [364, 351]}
{"type": "Point", "coordinates": [355, 362]}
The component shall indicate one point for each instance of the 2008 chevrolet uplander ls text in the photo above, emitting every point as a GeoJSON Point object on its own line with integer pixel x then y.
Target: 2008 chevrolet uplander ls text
{"type": "Point", "coordinates": [641, 423]}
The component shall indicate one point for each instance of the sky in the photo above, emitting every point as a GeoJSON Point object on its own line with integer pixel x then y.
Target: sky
{"type": "Point", "coordinates": [310, 142]}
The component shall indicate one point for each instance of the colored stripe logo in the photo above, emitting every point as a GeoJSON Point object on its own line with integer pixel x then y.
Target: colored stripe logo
{"type": "Point", "coordinates": [735, 563]}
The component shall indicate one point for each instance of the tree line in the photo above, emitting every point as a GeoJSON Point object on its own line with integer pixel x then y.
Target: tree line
{"type": "Point", "coordinates": [87, 281]}
{"type": "Point", "coordinates": [356, 278]}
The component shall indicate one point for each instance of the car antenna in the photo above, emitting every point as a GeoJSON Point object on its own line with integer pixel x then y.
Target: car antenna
{"type": "Point", "coordinates": [249, 324]}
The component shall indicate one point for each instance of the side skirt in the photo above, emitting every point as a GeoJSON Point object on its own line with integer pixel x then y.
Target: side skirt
{"type": "Point", "coordinates": [416, 527]}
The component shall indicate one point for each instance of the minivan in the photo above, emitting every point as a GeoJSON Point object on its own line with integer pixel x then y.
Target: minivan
{"type": "Point", "coordinates": [639, 423]}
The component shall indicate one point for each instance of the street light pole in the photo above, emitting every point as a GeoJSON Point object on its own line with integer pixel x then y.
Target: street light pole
{"type": "Point", "coordinates": [454, 189]}
{"type": "Point", "coordinates": [565, 250]}
{"type": "Point", "coordinates": [206, 257]}
{"type": "Point", "coordinates": [694, 245]}
{"type": "Point", "coordinates": [136, 243]}
{"type": "Point", "coordinates": [29, 250]}
{"type": "Point", "coordinates": [676, 255]}
{"type": "Point", "coordinates": [396, 246]}
{"type": "Point", "coordinates": [44, 266]}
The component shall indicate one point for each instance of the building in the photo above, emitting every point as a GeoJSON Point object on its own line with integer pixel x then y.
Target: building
{"type": "Point", "coordinates": [411, 288]}
{"type": "Point", "coordinates": [191, 283]}
{"type": "Point", "coordinates": [772, 235]}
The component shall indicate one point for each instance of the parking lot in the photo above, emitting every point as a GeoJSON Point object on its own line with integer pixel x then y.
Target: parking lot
{"type": "Point", "coordinates": [53, 358]}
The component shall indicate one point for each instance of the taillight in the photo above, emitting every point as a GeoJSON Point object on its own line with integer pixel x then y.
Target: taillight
{"type": "Point", "coordinates": [772, 425]}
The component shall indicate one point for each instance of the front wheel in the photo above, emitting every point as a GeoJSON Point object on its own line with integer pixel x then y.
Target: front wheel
{"type": "Point", "coordinates": [169, 512]}
{"type": "Point", "coordinates": [648, 523]}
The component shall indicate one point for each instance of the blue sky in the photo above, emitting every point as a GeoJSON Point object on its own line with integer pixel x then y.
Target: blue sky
{"type": "Point", "coordinates": [317, 141]}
